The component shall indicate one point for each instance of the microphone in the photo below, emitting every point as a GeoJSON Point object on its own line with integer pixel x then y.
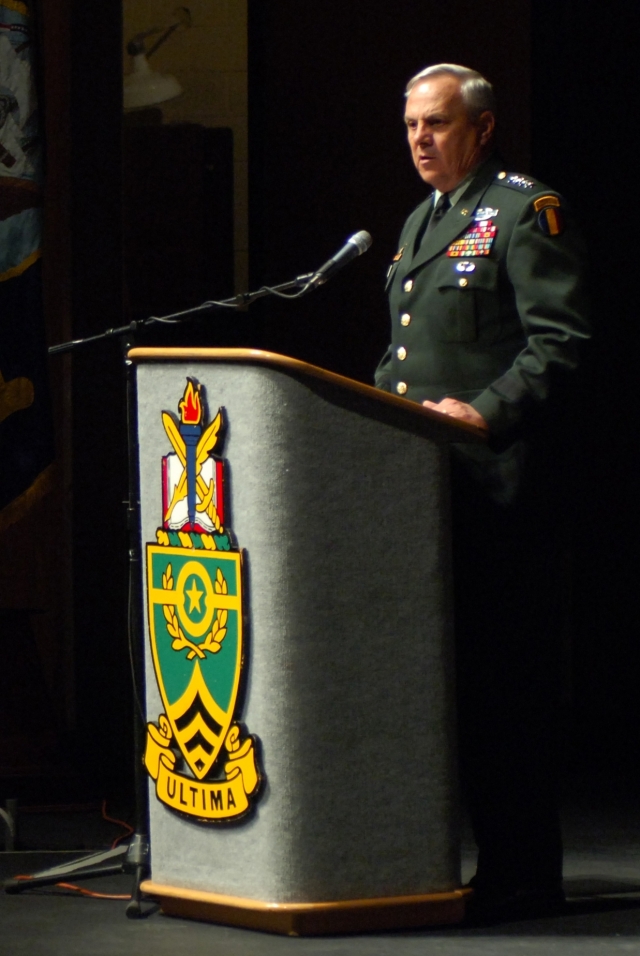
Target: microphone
{"type": "Point", "coordinates": [353, 247]}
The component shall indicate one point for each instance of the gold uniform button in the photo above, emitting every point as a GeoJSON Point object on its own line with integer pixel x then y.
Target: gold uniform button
{"type": "Point", "coordinates": [464, 212]}
{"type": "Point", "coordinates": [402, 353]}
{"type": "Point", "coordinates": [405, 318]}
{"type": "Point", "coordinates": [463, 283]}
{"type": "Point", "coordinates": [401, 388]}
{"type": "Point", "coordinates": [502, 175]}
{"type": "Point", "coordinates": [408, 285]}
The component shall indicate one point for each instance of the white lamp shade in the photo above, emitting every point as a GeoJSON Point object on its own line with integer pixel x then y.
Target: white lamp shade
{"type": "Point", "coordinates": [144, 87]}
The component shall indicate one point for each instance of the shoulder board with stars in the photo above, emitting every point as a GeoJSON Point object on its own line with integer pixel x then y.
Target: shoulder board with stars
{"type": "Point", "coordinates": [515, 181]}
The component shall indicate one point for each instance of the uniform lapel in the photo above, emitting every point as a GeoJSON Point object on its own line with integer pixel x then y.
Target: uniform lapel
{"type": "Point", "coordinates": [448, 229]}
{"type": "Point", "coordinates": [408, 241]}
{"type": "Point", "coordinates": [456, 220]}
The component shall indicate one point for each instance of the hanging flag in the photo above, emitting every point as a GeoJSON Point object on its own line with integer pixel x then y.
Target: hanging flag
{"type": "Point", "coordinates": [26, 435]}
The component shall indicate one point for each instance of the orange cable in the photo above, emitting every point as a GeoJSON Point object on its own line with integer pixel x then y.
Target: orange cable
{"type": "Point", "coordinates": [79, 889]}
{"type": "Point", "coordinates": [91, 893]}
{"type": "Point", "coordinates": [82, 890]}
{"type": "Point", "coordinates": [121, 823]}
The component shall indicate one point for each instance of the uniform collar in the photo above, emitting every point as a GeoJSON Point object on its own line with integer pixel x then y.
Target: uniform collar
{"type": "Point", "coordinates": [455, 194]}
{"type": "Point", "coordinates": [458, 217]}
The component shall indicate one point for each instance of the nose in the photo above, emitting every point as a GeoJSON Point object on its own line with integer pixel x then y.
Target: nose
{"type": "Point", "coordinates": [421, 134]}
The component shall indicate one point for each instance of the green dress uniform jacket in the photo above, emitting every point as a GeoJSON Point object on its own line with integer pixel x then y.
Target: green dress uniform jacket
{"type": "Point", "coordinates": [493, 330]}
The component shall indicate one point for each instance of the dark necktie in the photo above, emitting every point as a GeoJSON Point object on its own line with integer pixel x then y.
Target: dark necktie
{"type": "Point", "coordinates": [441, 208]}
{"type": "Point", "coordinates": [442, 205]}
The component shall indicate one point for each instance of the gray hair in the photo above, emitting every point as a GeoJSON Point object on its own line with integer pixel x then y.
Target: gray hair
{"type": "Point", "coordinates": [477, 93]}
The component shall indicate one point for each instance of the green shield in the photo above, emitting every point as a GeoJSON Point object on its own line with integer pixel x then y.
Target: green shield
{"type": "Point", "coordinates": [195, 621]}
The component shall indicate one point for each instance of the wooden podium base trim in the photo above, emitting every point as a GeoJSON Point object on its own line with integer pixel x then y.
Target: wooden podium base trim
{"type": "Point", "coordinates": [455, 426]}
{"type": "Point", "coordinates": [312, 919]}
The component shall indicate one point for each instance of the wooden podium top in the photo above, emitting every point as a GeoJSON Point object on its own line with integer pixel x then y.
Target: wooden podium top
{"type": "Point", "coordinates": [454, 430]}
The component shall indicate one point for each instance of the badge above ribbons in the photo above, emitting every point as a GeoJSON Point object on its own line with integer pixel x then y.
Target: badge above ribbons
{"type": "Point", "coordinates": [194, 592]}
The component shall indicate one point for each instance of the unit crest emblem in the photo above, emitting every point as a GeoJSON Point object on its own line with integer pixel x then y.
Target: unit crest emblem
{"type": "Point", "coordinates": [194, 596]}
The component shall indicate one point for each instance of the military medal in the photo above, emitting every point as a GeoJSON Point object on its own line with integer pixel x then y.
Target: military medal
{"type": "Point", "coordinates": [476, 241]}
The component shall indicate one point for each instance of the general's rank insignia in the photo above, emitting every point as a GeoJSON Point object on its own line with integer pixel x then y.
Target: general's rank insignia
{"type": "Point", "coordinates": [520, 181]}
{"type": "Point", "coordinates": [514, 180]}
{"type": "Point", "coordinates": [476, 241]}
{"type": "Point", "coordinates": [194, 595]}
{"type": "Point", "coordinates": [550, 218]}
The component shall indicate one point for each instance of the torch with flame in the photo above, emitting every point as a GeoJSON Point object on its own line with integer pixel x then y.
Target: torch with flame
{"type": "Point", "coordinates": [191, 430]}
{"type": "Point", "coordinates": [196, 492]}
{"type": "Point", "coordinates": [191, 405]}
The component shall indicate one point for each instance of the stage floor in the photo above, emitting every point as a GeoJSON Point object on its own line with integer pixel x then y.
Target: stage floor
{"type": "Point", "coordinates": [602, 882]}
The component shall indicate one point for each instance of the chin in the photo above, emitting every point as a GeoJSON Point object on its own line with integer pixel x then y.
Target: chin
{"type": "Point", "coordinates": [428, 176]}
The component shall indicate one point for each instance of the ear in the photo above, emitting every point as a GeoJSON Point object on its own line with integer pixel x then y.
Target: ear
{"type": "Point", "coordinates": [486, 125]}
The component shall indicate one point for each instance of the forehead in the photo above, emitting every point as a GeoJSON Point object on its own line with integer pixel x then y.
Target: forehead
{"type": "Point", "coordinates": [440, 94]}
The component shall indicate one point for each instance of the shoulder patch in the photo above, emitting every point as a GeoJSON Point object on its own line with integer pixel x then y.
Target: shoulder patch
{"type": "Point", "coordinates": [514, 180]}
{"type": "Point", "coordinates": [543, 201]}
{"type": "Point", "coordinates": [550, 219]}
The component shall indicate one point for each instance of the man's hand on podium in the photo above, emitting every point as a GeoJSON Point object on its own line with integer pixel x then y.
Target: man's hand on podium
{"type": "Point", "coordinates": [466, 413]}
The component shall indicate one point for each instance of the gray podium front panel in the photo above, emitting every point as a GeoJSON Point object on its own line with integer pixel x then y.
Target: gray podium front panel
{"type": "Point", "coordinates": [344, 519]}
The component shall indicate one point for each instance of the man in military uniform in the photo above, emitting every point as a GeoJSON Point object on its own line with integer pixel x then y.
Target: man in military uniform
{"type": "Point", "coordinates": [488, 311]}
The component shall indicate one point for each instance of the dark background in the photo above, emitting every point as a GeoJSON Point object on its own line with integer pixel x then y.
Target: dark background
{"type": "Point", "coordinates": [327, 158]}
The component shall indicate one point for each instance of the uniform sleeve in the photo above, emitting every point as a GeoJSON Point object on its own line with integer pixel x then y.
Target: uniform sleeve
{"type": "Point", "coordinates": [383, 372]}
{"type": "Point", "coordinates": [547, 273]}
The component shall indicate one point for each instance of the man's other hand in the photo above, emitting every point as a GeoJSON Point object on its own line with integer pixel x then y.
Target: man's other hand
{"type": "Point", "coordinates": [460, 410]}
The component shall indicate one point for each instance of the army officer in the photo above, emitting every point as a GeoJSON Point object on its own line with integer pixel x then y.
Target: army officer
{"type": "Point", "coordinates": [488, 314]}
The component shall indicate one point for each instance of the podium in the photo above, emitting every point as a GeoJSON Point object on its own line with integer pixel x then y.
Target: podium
{"type": "Point", "coordinates": [333, 501]}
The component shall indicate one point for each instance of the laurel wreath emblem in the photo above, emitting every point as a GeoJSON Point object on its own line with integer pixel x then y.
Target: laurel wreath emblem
{"type": "Point", "coordinates": [213, 641]}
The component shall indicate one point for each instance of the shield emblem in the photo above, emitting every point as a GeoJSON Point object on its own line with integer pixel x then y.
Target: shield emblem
{"type": "Point", "coordinates": [195, 618]}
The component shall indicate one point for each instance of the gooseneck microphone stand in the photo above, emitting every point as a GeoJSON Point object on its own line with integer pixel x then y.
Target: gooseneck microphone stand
{"type": "Point", "coordinates": [133, 857]}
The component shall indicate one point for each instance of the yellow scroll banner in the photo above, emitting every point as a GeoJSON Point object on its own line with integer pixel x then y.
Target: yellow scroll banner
{"type": "Point", "coordinates": [221, 800]}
